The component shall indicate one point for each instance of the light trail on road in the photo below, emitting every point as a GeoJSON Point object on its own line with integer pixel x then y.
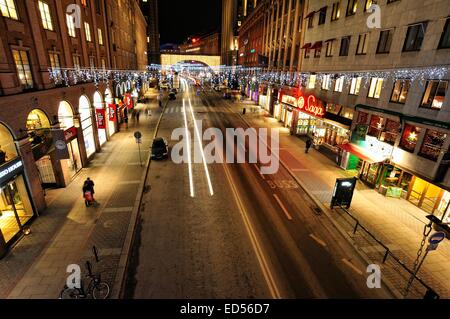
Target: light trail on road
{"type": "Point", "coordinates": [188, 147]}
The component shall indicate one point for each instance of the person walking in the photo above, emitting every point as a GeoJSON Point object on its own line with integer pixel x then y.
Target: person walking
{"type": "Point", "coordinates": [88, 191]}
{"type": "Point", "coordinates": [309, 143]}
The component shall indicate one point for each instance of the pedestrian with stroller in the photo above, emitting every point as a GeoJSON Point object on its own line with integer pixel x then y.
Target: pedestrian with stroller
{"type": "Point", "coordinates": [88, 192]}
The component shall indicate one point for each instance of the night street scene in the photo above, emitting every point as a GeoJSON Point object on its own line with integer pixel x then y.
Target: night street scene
{"type": "Point", "coordinates": [224, 154]}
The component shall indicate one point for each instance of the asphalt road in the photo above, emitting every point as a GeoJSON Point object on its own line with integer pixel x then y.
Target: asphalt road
{"type": "Point", "coordinates": [226, 231]}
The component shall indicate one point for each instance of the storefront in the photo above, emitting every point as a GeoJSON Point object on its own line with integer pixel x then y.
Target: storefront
{"type": "Point", "coordinates": [65, 117]}
{"type": "Point", "coordinates": [100, 116]}
{"type": "Point", "coordinates": [40, 136]}
{"type": "Point", "coordinates": [87, 126]}
{"type": "Point", "coordinates": [16, 208]}
{"type": "Point", "coordinates": [111, 113]}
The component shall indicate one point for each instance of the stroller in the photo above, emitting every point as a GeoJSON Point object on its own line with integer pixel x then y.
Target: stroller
{"type": "Point", "coordinates": [89, 199]}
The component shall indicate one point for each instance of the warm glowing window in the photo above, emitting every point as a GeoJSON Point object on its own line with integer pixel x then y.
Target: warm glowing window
{"type": "Point", "coordinates": [100, 37]}
{"type": "Point", "coordinates": [435, 94]}
{"type": "Point", "coordinates": [326, 82]}
{"type": "Point", "coordinates": [400, 91]}
{"type": "Point", "coordinates": [45, 15]}
{"type": "Point", "coordinates": [339, 85]}
{"type": "Point", "coordinates": [71, 25]}
{"type": "Point", "coordinates": [351, 7]}
{"type": "Point", "coordinates": [23, 68]}
{"type": "Point", "coordinates": [312, 81]}
{"type": "Point", "coordinates": [376, 84]}
{"type": "Point", "coordinates": [363, 42]}
{"type": "Point", "coordinates": [355, 86]}
{"type": "Point", "coordinates": [8, 8]}
{"type": "Point", "coordinates": [87, 29]}
{"type": "Point", "coordinates": [336, 12]}
{"type": "Point", "coordinates": [54, 61]}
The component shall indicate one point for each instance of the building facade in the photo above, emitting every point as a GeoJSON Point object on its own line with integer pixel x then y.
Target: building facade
{"type": "Point", "coordinates": [150, 11]}
{"type": "Point", "coordinates": [207, 45]}
{"type": "Point", "coordinates": [37, 115]}
{"type": "Point", "coordinates": [377, 96]}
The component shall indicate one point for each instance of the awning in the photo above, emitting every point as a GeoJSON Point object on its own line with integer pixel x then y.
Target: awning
{"type": "Point", "coordinates": [309, 15]}
{"type": "Point", "coordinates": [329, 40]}
{"type": "Point", "coordinates": [317, 45]}
{"type": "Point", "coordinates": [323, 8]}
{"type": "Point", "coordinates": [359, 152]}
{"type": "Point", "coordinates": [306, 46]}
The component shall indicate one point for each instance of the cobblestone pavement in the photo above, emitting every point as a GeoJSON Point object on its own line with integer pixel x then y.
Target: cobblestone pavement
{"type": "Point", "coordinates": [66, 232]}
{"type": "Point", "coordinates": [395, 222]}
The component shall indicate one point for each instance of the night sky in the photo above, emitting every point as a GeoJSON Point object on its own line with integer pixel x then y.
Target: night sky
{"type": "Point", "coordinates": [179, 19]}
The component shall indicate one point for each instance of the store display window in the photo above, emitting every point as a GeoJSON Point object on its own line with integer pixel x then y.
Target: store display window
{"type": "Point", "coordinates": [391, 131]}
{"type": "Point", "coordinates": [432, 144]}
{"type": "Point", "coordinates": [376, 126]}
{"type": "Point", "coordinates": [410, 137]}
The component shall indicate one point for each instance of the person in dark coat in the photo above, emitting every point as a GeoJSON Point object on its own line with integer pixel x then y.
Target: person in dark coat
{"type": "Point", "coordinates": [309, 143]}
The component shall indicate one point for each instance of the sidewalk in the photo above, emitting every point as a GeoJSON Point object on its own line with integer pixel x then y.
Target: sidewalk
{"type": "Point", "coordinates": [66, 232]}
{"type": "Point", "coordinates": [396, 222]}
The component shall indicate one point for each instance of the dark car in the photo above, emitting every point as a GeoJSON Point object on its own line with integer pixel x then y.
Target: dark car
{"type": "Point", "coordinates": [160, 148]}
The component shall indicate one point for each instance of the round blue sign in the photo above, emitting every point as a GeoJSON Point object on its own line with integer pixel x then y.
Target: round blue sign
{"type": "Point", "coordinates": [436, 238]}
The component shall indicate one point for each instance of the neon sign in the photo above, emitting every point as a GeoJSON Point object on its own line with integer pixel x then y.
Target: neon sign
{"type": "Point", "coordinates": [311, 106]}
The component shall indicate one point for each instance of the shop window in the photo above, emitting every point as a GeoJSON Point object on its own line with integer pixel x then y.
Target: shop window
{"type": "Point", "coordinates": [410, 137]}
{"type": "Point", "coordinates": [432, 145]}
{"type": "Point", "coordinates": [434, 95]}
{"type": "Point", "coordinates": [355, 85]}
{"type": "Point", "coordinates": [400, 91]}
{"type": "Point", "coordinates": [8, 8]}
{"type": "Point", "coordinates": [376, 126]}
{"type": "Point", "coordinates": [345, 44]}
{"type": "Point", "coordinates": [362, 118]}
{"type": "Point", "coordinates": [391, 132]}
{"type": "Point", "coordinates": [414, 37]}
{"type": "Point", "coordinates": [8, 149]}
{"type": "Point", "coordinates": [444, 43]}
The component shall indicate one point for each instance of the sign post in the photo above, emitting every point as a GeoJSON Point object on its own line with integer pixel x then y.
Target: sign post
{"type": "Point", "coordinates": [138, 136]}
{"type": "Point", "coordinates": [434, 242]}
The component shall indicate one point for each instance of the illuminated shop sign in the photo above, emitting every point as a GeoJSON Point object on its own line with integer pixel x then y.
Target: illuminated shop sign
{"type": "Point", "coordinates": [10, 169]}
{"type": "Point", "coordinates": [306, 103]}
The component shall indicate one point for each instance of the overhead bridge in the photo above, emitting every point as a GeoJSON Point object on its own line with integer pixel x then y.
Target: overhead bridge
{"type": "Point", "coordinates": [169, 60]}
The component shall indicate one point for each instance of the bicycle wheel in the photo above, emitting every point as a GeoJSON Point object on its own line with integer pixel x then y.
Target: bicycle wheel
{"type": "Point", "coordinates": [69, 293]}
{"type": "Point", "coordinates": [100, 291]}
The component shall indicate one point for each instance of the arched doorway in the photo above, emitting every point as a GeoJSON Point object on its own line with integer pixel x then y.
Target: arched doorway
{"type": "Point", "coordinates": [15, 200]}
{"type": "Point", "coordinates": [111, 107]}
{"type": "Point", "coordinates": [100, 111]}
{"type": "Point", "coordinates": [41, 139]}
{"type": "Point", "coordinates": [65, 118]}
{"type": "Point", "coordinates": [86, 125]}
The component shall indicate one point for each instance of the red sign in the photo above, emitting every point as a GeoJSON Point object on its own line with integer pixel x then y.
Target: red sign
{"type": "Point", "coordinates": [306, 103]}
{"type": "Point", "coordinates": [101, 118]}
{"type": "Point", "coordinates": [128, 100]}
{"type": "Point", "coordinates": [112, 112]}
{"type": "Point", "coordinates": [71, 134]}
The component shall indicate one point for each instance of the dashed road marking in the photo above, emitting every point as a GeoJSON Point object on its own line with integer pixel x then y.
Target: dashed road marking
{"type": "Point", "coordinates": [353, 267]}
{"type": "Point", "coordinates": [289, 217]}
{"type": "Point", "coordinates": [318, 240]}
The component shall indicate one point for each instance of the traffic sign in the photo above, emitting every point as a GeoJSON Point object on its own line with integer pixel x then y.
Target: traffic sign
{"type": "Point", "coordinates": [436, 238]}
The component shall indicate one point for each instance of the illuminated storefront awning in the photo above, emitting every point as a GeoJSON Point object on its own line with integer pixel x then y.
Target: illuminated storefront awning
{"type": "Point", "coordinates": [362, 153]}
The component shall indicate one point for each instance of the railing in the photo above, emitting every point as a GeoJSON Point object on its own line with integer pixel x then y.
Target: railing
{"type": "Point", "coordinates": [389, 255]}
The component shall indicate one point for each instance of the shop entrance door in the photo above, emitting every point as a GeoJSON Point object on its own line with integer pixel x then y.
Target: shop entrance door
{"type": "Point", "coordinates": [75, 159]}
{"type": "Point", "coordinates": [13, 211]}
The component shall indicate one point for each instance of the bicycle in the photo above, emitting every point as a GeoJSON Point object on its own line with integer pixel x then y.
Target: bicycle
{"type": "Point", "coordinates": [97, 289]}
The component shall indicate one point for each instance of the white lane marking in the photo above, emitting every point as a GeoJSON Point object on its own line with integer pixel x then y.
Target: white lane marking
{"type": "Point", "coordinates": [205, 165]}
{"type": "Point", "coordinates": [353, 267]}
{"type": "Point", "coordinates": [318, 240]}
{"type": "Point", "coordinates": [188, 147]}
{"type": "Point", "coordinates": [289, 217]}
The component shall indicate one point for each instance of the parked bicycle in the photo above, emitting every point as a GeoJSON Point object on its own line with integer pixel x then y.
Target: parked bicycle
{"type": "Point", "coordinates": [97, 289]}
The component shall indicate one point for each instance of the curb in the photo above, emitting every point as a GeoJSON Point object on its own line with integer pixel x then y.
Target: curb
{"type": "Point", "coordinates": [129, 239]}
{"type": "Point", "coordinates": [390, 287]}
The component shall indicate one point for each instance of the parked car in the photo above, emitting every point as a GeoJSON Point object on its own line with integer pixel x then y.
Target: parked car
{"type": "Point", "coordinates": [160, 148]}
